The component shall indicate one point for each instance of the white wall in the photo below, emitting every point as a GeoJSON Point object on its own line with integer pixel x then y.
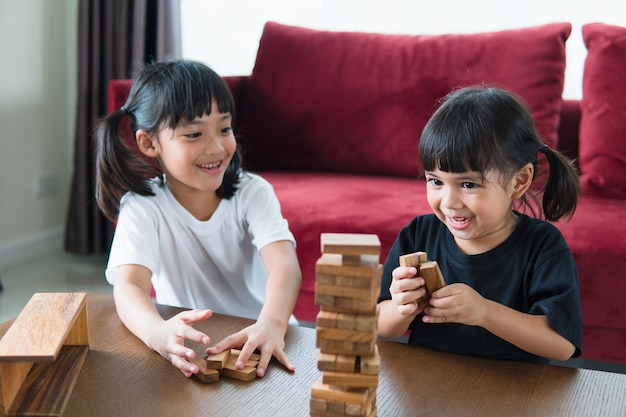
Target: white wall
{"type": "Point", "coordinates": [37, 113]}
{"type": "Point", "coordinates": [221, 34]}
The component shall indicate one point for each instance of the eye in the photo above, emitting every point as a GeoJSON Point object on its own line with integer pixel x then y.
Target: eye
{"type": "Point", "coordinates": [226, 130]}
{"type": "Point", "coordinates": [469, 185]}
{"type": "Point", "coordinates": [434, 182]}
{"type": "Point", "coordinates": [192, 135]}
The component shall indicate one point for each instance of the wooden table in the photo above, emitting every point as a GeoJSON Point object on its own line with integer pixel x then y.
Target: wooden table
{"type": "Point", "coordinates": [122, 377]}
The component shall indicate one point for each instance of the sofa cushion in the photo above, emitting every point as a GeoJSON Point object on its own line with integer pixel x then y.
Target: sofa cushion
{"type": "Point", "coordinates": [603, 125]}
{"type": "Point", "coordinates": [314, 203]}
{"type": "Point", "coordinates": [357, 102]}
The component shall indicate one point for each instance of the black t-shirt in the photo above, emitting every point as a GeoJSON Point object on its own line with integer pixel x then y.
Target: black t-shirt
{"type": "Point", "coordinates": [533, 271]}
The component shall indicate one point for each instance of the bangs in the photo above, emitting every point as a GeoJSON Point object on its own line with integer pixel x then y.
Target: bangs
{"type": "Point", "coordinates": [186, 92]}
{"type": "Point", "coordinates": [460, 137]}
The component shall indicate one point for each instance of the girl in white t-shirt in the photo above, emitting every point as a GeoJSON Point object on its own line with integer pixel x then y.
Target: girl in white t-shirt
{"type": "Point", "coordinates": [190, 224]}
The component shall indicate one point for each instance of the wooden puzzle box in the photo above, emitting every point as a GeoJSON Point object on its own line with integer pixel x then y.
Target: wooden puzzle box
{"type": "Point", "coordinates": [332, 120]}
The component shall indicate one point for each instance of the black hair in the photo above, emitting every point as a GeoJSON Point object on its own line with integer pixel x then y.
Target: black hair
{"type": "Point", "coordinates": [486, 129]}
{"type": "Point", "coordinates": [163, 95]}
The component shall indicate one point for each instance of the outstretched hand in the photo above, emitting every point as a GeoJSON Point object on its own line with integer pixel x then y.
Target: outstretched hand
{"type": "Point", "coordinates": [169, 339]}
{"type": "Point", "coordinates": [266, 337]}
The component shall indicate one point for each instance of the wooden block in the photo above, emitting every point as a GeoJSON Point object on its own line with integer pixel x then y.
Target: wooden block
{"type": "Point", "coordinates": [248, 373]}
{"type": "Point", "coordinates": [48, 386]}
{"type": "Point", "coordinates": [346, 335]}
{"type": "Point", "coordinates": [347, 292]}
{"type": "Point", "coordinates": [218, 360]}
{"type": "Point", "coordinates": [346, 363]}
{"type": "Point", "coordinates": [350, 379]}
{"type": "Point", "coordinates": [322, 391]}
{"type": "Point", "coordinates": [253, 356]}
{"type": "Point", "coordinates": [205, 375]}
{"type": "Point", "coordinates": [350, 259]}
{"type": "Point", "coordinates": [47, 323]}
{"type": "Point", "coordinates": [350, 243]}
{"type": "Point", "coordinates": [370, 365]}
{"type": "Point", "coordinates": [432, 275]}
{"type": "Point", "coordinates": [329, 264]}
{"type": "Point", "coordinates": [346, 305]}
{"type": "Point", "coordinates": [326, 318]}
{"type": "Point", "coordinates": [413, 259]}
{"type": "Point", "coordinates": [43, 326]}
{"type": "Point", "coordinates": [327, 362]}
{"type": "Point", "coordinates": [340, 347]}
{"type": "Point", "coordinates": [429, 270]}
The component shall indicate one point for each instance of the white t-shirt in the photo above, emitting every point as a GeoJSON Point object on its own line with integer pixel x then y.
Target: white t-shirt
{"type": "Point", "coordinates": [202, 264]}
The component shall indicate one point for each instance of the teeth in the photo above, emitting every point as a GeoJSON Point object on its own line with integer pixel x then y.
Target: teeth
{"type": "Point", "coordinates": [211, 166]}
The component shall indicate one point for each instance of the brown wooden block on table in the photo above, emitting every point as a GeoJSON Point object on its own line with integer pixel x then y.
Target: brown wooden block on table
{"type": "Point", "coordinates": [346, 363]}
{"type": "Point", "coordinates": [47, 325]}
{"type": "Point", "coordinates": [326, 318]}
{"type": "Point", "coordinates": [248, 373]}
{"type": "Point", "coordinates": [322, 391]}
{"type": "Point", "coordinates": [350, 243]}
{"type": "Point", "coordinates": [339, 347]}
{"type": "Point", "coordinates": [330, 264]}
{"type": "Point", "coordinates": [346, 335]}
{"type": "Point", "coordinates": [359, 322]}
{"type": "Point", "coordinates": [218, 360]}
{"type": "Point", "coordinates": [205, 375]}
{"type": "Point", "coordinates": [346, 305]}
{"type": "Point", "coordinates": [350, 379]}
{"type": "Point", "coordinates": [370, 364]}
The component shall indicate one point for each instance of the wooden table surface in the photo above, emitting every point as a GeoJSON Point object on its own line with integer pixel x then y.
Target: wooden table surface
{"type": "Point", "coordinates": [122, 377]}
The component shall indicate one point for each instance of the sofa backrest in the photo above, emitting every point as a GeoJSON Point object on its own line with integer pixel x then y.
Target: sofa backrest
{"type": "Point", "coordinates": [568, 129]}
{"type": "Point", "coordinates": [357, 102]}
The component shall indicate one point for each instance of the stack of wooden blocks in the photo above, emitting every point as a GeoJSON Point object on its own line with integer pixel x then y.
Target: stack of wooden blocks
{"type": "Point", "coordinates": [346, 290]}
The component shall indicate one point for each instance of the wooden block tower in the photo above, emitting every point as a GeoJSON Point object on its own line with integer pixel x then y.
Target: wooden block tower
{"type": "Point", "coordinates": [346, 290]}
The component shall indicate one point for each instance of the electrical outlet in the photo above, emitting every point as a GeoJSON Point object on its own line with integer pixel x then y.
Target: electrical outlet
{"type": "Point", "coordinates": [46, 185]}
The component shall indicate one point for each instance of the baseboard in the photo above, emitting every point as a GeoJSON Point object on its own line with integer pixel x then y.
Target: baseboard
{"type": "Point", "coordinates": [32, 246]}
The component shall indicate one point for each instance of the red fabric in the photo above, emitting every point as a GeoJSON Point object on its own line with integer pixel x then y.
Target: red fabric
{"type": "Point", "coordinates": [603, 125]}
{"type": "Point", "coordinates": [316, 203]}
{"type": "Point", "coordinates": [597, 237]}
{"type": "Point", "coordinates": [357, 102]}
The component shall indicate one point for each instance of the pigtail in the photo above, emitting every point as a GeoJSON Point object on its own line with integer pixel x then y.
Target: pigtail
{"type": "Point", "coordinates": [118, 167]}
{"type": "Point", "coordinates": [562, 188]}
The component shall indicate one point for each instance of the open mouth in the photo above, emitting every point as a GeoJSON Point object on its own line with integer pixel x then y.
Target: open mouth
{"type": "Point", "coordinates": [212, 166]}
{"type": "Point", "coordinates": [459, 222]}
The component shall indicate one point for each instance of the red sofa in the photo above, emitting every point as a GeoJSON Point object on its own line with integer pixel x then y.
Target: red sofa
{"type": "Point", "coordinates": [333, 119]}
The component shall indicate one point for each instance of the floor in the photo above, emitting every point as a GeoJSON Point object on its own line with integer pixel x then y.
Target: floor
{"type": "Point", "coordinates": [62, 272]}
{"type": "Point", "coordinates": [58, 272]}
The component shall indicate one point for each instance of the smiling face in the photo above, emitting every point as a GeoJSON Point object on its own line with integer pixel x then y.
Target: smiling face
{"type": "Point", "coordinates": [194, 156]}
{"type": "Point", "coordinates": [477, 210]}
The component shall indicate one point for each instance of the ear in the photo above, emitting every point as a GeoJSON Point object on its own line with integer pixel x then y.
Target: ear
{"type": "Point", "coordinates": [522, 180]}
{"type": "Point", "coordinates": [147, 143]}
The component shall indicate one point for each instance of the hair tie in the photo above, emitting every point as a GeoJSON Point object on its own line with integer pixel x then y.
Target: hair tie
{"type": "Point", "coordinates": [124, 110]}
{"type": "Point", "coordinates": [544, 149]}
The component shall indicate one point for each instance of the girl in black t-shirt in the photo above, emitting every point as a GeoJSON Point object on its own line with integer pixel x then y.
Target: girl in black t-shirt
{"type": "Point", "coordinates": [512, 285]}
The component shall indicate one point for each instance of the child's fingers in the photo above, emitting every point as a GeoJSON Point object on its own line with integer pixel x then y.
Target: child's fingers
{"type": "Point", "coordinates": [196, 336]}
{"type": "Point", "coordinates": [185, 366]}
{"type": "Point", "coordinates": [281, 356]}
{"type": "Point", "coordinates": [193, 316]}
{"type": "Point", "coordinates": [233, 341]}
{"type": "Point", "coordinates": [402, 272]}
